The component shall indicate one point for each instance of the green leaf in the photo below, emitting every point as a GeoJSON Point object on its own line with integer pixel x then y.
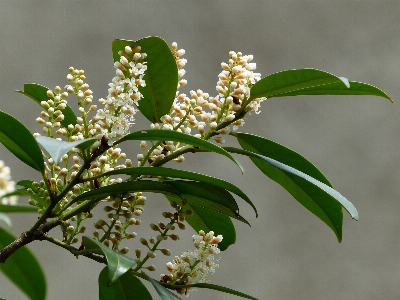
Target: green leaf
{"type": "Point", "coordinates": [17, 138]}
{"type": "Point", "coordinates": [118, 264]}
{"type": "Point", "coordinates": [6, 219]}
{"type": "Point", "coordinates": [174, 173]}
{"type": "Point", "coordinates": [164, 293]}
{"type": "Point", "coordinates": [161, 76]}
{"type": "Point", "coordinates": [168, 135]}
{"type": "Point", "coordinates": [38, 93]}
{"type": "Point", "coordinates": [128, 187]}
{"type": "Point", "coordinates": [128, 286]}
{"type": "Point", "coordinates": [23, 269]}
{"type": "Point", "coordinates": [310, 82]}
{"type": "Point", "coordinates": [207, 196]}
{"type": "Point", "coordinates": [208, 220]}
{"type": "Point", "coordinates": [302, 187]}
{"type": "Point", "coordinates": [18, 208]}
{"type": "Point", "coordinates": [57, 148]}
{"type": "Point", "coordinates": [222, 289]}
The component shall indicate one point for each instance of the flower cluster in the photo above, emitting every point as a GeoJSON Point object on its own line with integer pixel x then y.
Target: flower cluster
{"type": "Point", "coordinates": [6, 185]}
{"type": "Point", "coordinates": [201, 112]}
{"type": "Point", "coordinates": [194, 266]}
{"type": "Point", "coordinates": [114, 120]}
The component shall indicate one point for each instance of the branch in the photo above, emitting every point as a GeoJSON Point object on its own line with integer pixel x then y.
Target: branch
{"type": "Point", "coordinates": [26, 238]}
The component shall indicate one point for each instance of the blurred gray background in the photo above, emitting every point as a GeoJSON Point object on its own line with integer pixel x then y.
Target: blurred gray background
{"type": "Point", "coordinates": [287, 253]}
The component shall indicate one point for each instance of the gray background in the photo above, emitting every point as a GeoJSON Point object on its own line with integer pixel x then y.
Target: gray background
{"type": "Point", "coordinates": [287, 253]}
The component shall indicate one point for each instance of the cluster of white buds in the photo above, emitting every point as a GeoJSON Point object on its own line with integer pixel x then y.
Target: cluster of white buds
{"type": "Point", "coordinates": [201, 112]}
{"type": "Point", "coordinates": [194, 266]}
{"type": "Point", "coordinates": [52, 112]}
{"type": "Point", "coordinates": [113, 121]}
{"type": "Point", "coordinates": [6, 185]}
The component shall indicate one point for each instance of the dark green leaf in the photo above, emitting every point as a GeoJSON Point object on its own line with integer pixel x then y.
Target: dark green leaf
{"type": "Point", "coordinates": [126, 287]}
{"type": "Point", "coordinates": [208, 196]}
{"type": "Point", "coordinates": [17, 208]}
{"type": "Point", "coordinates": [127, 187]}
{"type": "Point", "coordinates": [222, 289]}
{"type": "Point", "coordinates": [23, 269]}
{"type": "Point", "coordinates": [161, 76]}
{"type": "Point", "coordinates": [174, 173]}
{"type": "Point", "coordinates": [168, 135]}
{"type": "Point", "coordinates": [6, 219]}
{"type": "Point", "coordinates": [38, 93]}
{"type": "Point", "coordinates": [17, 138]}
{"type": "Point", "coordinates": [164, 293]}
{"type": "Point", "coordinates": [310, 82]}
{"type": "Point", "coordinates": [208, 220]}
{"type": "Point", "coordinates": [57, 148]}
{"type": "Point", "coordinates": [118, 264]}
{"type": "Point", "coordinates": [302, 187]}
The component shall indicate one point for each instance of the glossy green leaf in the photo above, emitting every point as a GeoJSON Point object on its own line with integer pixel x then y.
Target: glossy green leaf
{"type": "Point", "coordinates": [207, 196]}
{"type": "Point", "coordinates": [310, 82]}
{"type": "Point", "coordinates": [118, 264]}
{"type": "Point", "coordinates": [161, 76]}
{"type": "Point", "coordinates": [57, 148]}
{"type": "Point", "coordinates": [17, 138]}
{"type": "Point", "coordinates": [128, 187]}
{"type": "Point", "coordinates": [222, 289]}
{"type": "Point", "coordinates": [38, 93]}
{"type": "Point", "coordinates": [18, 208]}
{"type": "Point", "coordinates": [168, 135]}
{"type": "Point", "coordinates": [174, 173]}
{"type": "Point", "coordinates": [23, 269]}
{"type": "Point", "coordinates": [164, 293]}
{"type": "Point", "coordinates": [208, 220]}
{"type": "Point", "coordinates": [296, 161]}
{"type": "Point", "coordinates": [126, 287]}
{"type": "Point", "coordinates": [300, 186]}
{"type": "Point", "coordinates": [6, 219]}
{"type": "Point", "coordinates": [124, 187]}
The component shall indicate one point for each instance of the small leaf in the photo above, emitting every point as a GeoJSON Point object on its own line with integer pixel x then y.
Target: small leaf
{"type": "Point", "coordinates": [164, 293]}
{"type": "Point", "coordinates": [6, 219]}
{"type": "Point", "coordinates": [310, 82]}
{"type": "Point", "coordinates": [57, 148]}
{"type": "Point", "coordinates": [118, 263]}
{"type": "Point", "coordinates": [208, 220]}
{"type": "Point", "coordinates": [168, 135]}
{"type": "Point", "coordinates": [18, 208]}
{"type": "Point", "coordinates": [174, 173]}
{"type": "Point", "coordinates": [23, 269]}
{"type": "Point", "coordinates": [161, 76]}
{"type": "Point", "coordinates": [38, 93]}
{"type": "Point", "coordinates": [207, 196]}
{"type": "Point", "coordinates": [126, 287]}
{"type": "Point", "coordinates": [17, 138]}
{"type": "Point", "coordinates": [25, 183]}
